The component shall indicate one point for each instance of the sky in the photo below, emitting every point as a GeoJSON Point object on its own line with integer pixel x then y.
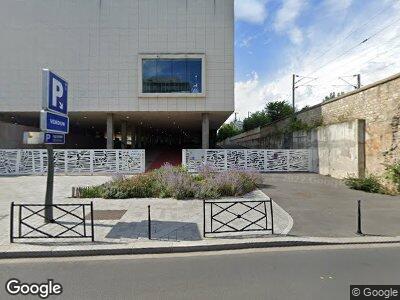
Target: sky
{"type": "Point", "coordinates": [319, 40]}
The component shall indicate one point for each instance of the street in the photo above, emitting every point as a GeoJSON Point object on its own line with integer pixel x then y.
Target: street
{"type": "Point", "coordinates": [318, 272]}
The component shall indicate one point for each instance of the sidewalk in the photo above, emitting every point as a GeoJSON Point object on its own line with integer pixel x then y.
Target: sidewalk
{"type": "Point", "coordinates": [119, 223]}
{"type": "Point", "coordinates": [323, 210]}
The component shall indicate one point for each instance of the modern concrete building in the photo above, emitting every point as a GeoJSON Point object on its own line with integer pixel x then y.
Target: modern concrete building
{"type": "Point", "coordinates": [144, 72]}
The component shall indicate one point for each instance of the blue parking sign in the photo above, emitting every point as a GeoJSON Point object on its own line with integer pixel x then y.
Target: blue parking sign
{"type": "Point", "coordinates": [51, 122]}
{"type": "Point", "coordinates": [54, 138]}
{"type": "Point", "coordinates": [55, 93]}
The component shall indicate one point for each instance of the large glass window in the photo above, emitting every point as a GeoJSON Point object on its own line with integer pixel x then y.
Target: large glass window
{"type": "Point", "coordinates": [166, 75]}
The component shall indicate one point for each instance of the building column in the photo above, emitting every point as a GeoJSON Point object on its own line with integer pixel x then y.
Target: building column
{"type": "Point", "coordinates": [132, 133]}
{"type": "Point", "coordinates": [124, 136]}
{"type": "Point", "coordinates": [110, 131]}
{"type": "Point", "coordinates": [205, 131]}
{"type": "Point", "coordinates": [139, 137]}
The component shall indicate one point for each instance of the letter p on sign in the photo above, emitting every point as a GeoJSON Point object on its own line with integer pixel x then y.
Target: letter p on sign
{"type": "Point", "coordinates": [58, 91]}
{"type": "Point", "coordinates": [55, 93]}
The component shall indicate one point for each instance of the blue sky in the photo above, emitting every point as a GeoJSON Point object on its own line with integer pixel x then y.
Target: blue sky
{"type": "Point", "coordinates": [321, 39]}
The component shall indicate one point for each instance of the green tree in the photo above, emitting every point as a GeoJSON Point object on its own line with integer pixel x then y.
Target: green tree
{"type": "Point", "coordinates": [226, 131]}
{"type": "Point", "coordinates": [277, 110]}
{"type": "Point", "coordinates": [273, 111]}
{"type": "Point", "coordinates": [256, 119]}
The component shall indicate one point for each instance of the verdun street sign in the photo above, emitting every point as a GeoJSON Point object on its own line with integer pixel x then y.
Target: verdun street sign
{"type": "Point", "coordinates": [54, 124]}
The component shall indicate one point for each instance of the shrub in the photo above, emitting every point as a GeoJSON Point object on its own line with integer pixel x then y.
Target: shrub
{"type": "Point", "coordinates": [91, 192]}
{"type": "Point", "coordinates": [176, 182]}
{"type": "Point", "coordinates": [368, 184]}
{"type": "Point", "coordinates": [393, 174]}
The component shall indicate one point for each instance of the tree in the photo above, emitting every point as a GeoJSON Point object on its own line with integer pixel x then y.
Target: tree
{"type": "Point", "coordinates": [273, 111]}
{"type": "Point", "coordinates": [256, 119]}
{"type": "Point", "coordinates": [226, 131]}
{"type": "Point", "coordinates": [277, 110]}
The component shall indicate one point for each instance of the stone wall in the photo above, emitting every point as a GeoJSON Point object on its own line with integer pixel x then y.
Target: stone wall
{"type": "Point", "coordinates": [378, 104]}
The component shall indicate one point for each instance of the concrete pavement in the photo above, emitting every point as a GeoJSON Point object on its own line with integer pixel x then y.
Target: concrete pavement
{"type": "Point", "coordinates": [284, 273]}
{"type": "Point", "coordinates": [124, 229]}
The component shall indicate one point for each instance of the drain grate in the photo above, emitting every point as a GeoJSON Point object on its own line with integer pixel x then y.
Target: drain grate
{"type": "Point", "coordinates": [107, 214]}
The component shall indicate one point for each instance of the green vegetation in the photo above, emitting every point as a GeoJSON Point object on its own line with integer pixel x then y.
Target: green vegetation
{"type": "Point", "coordinates": [393, 174]}
{"type": "Point", "coordinates": [176, 182]}
{"type": "Point", "coordinates": [272, 112]}
{"type": "Point", "coordinates": [368, 184]}
{"type": "Point", "coordinates": [388, 184]}
{"type": "Point", "coordinates": [227, 131]}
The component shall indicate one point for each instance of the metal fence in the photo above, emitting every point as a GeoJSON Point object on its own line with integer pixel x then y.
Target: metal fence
{"type": "Point", "coordinates": [260, 160]}
{"type": "Point", "coordinates": [69, 221]}
{"type": "Point", "coordinates": [72, 161]}
{"type": "Point", "coordinates": [237, 216]}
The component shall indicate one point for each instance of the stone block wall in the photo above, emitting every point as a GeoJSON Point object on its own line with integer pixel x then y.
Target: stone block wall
{"type": "Point", "coordinates": [377, 104]}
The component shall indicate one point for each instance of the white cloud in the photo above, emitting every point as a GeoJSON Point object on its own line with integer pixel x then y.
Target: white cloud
{"type": "Point", "coordinates": [288, 13]}
{"type": "Point", "coordinates": [251, 11]}
{"type": "Point", "coordinates": [374, 60]}
{"type": "Point", "coordinates": [337, 5]}
{"type": "Point", "coordinates": [285, 20]}
{"type": "Point", "coordinates": [296, 36]}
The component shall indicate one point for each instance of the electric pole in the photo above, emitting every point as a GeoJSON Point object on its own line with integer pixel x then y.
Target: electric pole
{"type": "Point", "coordinates": [293, 92]}
{"type": "Point", "coordinates": [358, 80]}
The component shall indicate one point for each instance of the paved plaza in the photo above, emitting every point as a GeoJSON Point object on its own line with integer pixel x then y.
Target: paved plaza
{"type": "Point", "coordinates": [122, 221]}
{"type": "Point", "coordinates": [306, 206]}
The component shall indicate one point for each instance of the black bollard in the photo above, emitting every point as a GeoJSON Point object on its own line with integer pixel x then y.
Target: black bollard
{"type": "Point", "coordinates": [149, 222]}
{"type": "Point", "coordinates": [359, 231]}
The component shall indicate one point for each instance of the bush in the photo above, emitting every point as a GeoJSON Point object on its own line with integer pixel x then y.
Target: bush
{"type": "Point", "coordinates": [368, 184]}
{"type": "Point", "coordinates": [393, 174]}
{"type": "Point", "coordinates": [176, 182]}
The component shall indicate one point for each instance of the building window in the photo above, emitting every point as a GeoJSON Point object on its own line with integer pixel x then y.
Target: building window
{"type": "Point", "coordinates": [172, 75]}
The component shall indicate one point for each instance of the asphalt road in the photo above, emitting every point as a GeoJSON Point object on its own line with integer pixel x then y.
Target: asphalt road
{"type": "Point", "coordinates": [286, 273]}
{"type": "Point", "coordinates": [324, 206]}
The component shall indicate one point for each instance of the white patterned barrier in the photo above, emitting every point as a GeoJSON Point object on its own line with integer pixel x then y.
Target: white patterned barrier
{"type": "Point", "coordinates": [72, 161]}
{"type": "Point", "coordinates": [261, 160]}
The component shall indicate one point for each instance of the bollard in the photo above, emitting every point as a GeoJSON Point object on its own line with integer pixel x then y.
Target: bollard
{"type": "Point", "coordinates": [149, 222]}
{"type": "Point", "coordinates": [12, 223]}
{"type": "Point", "coordinates": [359, 231]}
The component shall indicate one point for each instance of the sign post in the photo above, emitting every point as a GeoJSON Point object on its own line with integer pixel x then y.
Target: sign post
{"type": "Point", "coordinates": [54, 123]}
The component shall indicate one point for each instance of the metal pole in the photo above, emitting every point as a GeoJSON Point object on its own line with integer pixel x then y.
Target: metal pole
{"type": "Point", "coordinates": [84, 219]}
{"type": "Point", "coordinates": [359, 231]}
{"type": "Point", "coordinates": [204, 218]}
{"type": "Point", "coordinates": [149, 222]}
{"type": "Point", "coordinates": [92, 219]}
{"type": "Point", "coordinates": [358, 81]}
{"type": "Point", "coordinates": [272, 216]}
{"type": "Point", "coordinates": [19, 222]}
{"type": "Point", "coordinates": [293, 92]}
{"type": "Point", "coordinates": [12, 223]}
{"type": "Point", "coordinates": [48, 211]}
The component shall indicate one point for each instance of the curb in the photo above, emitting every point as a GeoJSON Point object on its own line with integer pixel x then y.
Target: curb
{"type": "Point", "coordinates": [181, 249]}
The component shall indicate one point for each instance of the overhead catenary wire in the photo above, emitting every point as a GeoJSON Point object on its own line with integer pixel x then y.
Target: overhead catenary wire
{"type": "Point", "coordinates": [355, 46]}
{"type": "Point", "coordinates": [333, 45]}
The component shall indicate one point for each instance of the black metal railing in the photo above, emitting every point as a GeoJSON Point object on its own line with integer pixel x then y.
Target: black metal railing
{"type": "Point", "coordinates": [237, 216]}
{"type": "Point", "coordinates": [68, 221]}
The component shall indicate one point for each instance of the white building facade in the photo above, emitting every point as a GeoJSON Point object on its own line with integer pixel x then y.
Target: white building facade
{"type": "Point", "coordinates": [139, 71]}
